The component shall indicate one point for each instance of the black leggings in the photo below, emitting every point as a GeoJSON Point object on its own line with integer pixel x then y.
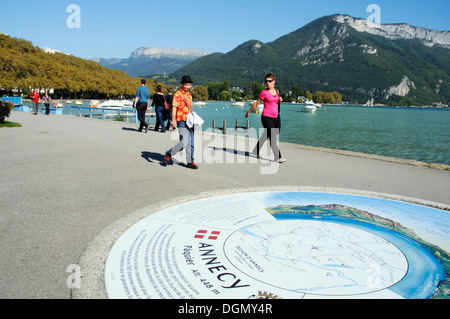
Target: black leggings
{"type": "Point", "coordinates": [272, 127]}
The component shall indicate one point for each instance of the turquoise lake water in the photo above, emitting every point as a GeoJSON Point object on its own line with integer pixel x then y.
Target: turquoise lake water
{"type": "Point", "coordinates": [421, 134]}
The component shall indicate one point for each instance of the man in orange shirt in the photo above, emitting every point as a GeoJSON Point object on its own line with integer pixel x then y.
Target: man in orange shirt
{"type": "Point", "coordinates": [182, 105]}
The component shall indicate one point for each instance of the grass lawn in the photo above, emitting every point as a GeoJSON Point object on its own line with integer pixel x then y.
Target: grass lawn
{"type": "Point", "coordinates": [9, 124]}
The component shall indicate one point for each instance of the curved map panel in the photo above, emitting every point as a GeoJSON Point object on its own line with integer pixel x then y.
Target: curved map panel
{"type": "Point", "coordinates": [284, 245]}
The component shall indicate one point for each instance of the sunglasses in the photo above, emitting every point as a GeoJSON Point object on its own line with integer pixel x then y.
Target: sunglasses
{"type": "Point", "coordinates": [269, 81]}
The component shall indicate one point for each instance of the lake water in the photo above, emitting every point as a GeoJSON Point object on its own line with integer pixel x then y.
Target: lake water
{"type": "Point", "coordinates": [421, 134]}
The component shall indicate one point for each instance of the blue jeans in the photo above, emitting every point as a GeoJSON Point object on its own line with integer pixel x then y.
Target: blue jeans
{"type": "Point", "coordinates": [186, 142]}
{"type": "Point", "coordinates": [160, 118]}
{"type": "Point", "coordinates": [36, 107]}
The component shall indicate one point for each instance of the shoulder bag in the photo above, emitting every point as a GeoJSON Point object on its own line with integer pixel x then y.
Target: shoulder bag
{"type": "Point", "coordinates": [166, 105]}
{"type": "Point", "coordinates": [193, 118]}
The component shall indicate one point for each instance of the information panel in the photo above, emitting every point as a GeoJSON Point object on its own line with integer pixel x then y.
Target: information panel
{"type": "Point", "coordinates": [283, 245]}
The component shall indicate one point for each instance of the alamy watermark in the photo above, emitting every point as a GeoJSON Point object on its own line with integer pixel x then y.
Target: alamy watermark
{"type": "Point", "coordinates": [74, 280]}
{"type": "Point", "coordinates": [74, 19]}
{"type": "Point", "coordinates": [214, 148]}
{"type": "Point", "coordinates": [375, 17]}
{"type": "Point", "coordinates": [374, 277]}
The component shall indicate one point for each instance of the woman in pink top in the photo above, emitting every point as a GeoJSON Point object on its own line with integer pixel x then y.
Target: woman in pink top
{"type": "Point", "coordinates": [270, 117]}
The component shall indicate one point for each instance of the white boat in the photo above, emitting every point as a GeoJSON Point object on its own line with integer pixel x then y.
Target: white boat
{"type": "Point", "coordinates": [113, 104]}
{"type": "Point", "coordinates": [127, 104]}
{"type": "Point", "coordinates": [309, 107]}
{"type": "Point", "coordinates": [78, 103]}
{"type": "Point", "coordinates": [199, 103]}
{"type": "Point", "coordinates": [58, 105]}
{"type": "Point", "coordinates": [241, 104]}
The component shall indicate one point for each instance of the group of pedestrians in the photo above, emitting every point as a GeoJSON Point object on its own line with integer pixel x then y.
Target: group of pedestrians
{"type": "Point", "coordinates": [141, 104]}
{"type": "Point", "coordinates": [36, 99]}
{"type": "Point", "coordinates": [181, 106]}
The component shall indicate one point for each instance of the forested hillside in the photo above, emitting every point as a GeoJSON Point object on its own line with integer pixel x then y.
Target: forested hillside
{"type": "Point", "coordinates": [24, 66]}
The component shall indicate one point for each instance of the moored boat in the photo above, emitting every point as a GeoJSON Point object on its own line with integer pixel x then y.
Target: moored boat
{"type": "Point", "coordinates": [94, 103]}
{"type": "Point", "coordinates": [114, 104]}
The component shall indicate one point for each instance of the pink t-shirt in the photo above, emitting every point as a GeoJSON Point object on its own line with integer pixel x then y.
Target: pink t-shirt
{"type": "Point", "coordinates": [270, 104]}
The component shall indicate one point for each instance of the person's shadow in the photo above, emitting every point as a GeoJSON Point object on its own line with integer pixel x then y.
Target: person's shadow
{"type": "Point", "coordinates": [130, 129]}
{"type": "Point", "coordinates": [153, 157]}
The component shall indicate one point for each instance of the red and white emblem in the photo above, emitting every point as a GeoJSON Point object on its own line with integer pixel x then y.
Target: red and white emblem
{"type": "Point", "coordinates": [211, 235]}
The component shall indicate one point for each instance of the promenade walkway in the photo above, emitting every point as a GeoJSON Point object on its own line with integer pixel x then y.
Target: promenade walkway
{"type": "Point", "coordinates": [65, 179]}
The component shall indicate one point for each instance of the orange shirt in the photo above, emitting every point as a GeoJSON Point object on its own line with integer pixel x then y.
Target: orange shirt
{"type": "Point", "coordinates": [180, 103]}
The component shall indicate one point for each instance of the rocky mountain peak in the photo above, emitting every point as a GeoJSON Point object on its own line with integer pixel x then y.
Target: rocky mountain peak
{"type": "Point", "coordinates": [168, 52]}
{"type": "Point", "coordinates": [398, 31]}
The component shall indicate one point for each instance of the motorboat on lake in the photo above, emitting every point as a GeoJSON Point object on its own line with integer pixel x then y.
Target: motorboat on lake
{"type": "Point", "coordinates": [309, 107]}
{"type": "Point", "coordinates": [241, 104]}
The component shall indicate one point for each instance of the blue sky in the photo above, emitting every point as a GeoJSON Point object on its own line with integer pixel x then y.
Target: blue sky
{"type": "Point", "coordinates": [113, 29]}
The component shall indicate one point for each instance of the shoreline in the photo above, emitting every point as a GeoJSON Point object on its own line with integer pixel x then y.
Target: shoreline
{"type": "Point", "coordinates": [442, 167]}
{"type": "Point", "coordinates": [441, 106]}
{"type": "Point", "coordinates": [372, 156]}
{"type": "Point", "coordinates": [439, 166]}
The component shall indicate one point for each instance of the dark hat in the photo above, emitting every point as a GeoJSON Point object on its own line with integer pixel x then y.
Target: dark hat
{"type": "Point", "coordinates": [186, 79]}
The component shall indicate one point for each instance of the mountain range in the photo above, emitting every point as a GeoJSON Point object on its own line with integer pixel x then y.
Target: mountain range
{"type": "Point", "coordinates": [395, 63]}
{"type": "Point", "coordinates": [151, 61]}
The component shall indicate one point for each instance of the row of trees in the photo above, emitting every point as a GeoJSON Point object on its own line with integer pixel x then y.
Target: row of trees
{"type": "Point", "coordinates": [24, 66]}
{"type": "Point", "coordinates": [222, 92]}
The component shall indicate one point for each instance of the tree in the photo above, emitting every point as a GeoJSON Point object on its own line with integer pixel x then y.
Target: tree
{"type": "Point", "coordinates": [200, 93]}
{"type": "Point", "coordinates": [214, 89]}
{"type": "Point", "coordinates": [236, 95]}
{"type": "Point", "coordinates": [253, 89]}
{"type": "Point", "coordinates": [295, 92]}
{"type": "Point", "coordinates": [224, 96]}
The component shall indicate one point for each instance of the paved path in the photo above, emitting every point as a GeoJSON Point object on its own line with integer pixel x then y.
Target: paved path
{"type": "Point", "coordinates": [65, 179]}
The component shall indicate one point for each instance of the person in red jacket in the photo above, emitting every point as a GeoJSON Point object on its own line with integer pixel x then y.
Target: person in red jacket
{"type": "Point", "coordinates": [35, 97]}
